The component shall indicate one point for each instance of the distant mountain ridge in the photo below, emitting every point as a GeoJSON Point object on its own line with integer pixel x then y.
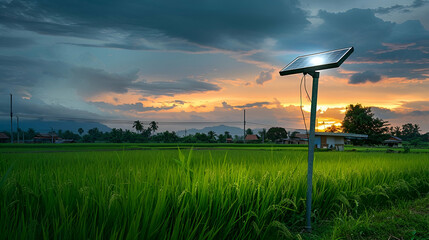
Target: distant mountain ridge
{"type": "Point", "coordinates": [46, 126]}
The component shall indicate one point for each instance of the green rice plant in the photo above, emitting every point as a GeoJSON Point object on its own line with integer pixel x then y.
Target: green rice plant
{"type": "Point", "coordinates": [193, 193]}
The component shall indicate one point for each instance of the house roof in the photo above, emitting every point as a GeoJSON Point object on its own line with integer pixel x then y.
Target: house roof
{"type": "Point", "coordinates": [347, 135]}
{"type": "Point", "coordinates": [300, 136]}
{"type": "Point", "coordinates": [250, 137]}
{"type": "Point", "coordinates": [3, 136]}
{"type": "Point", "coordinates": [46, 135]}
{"type": "Point", "coordinates": [393, 139]}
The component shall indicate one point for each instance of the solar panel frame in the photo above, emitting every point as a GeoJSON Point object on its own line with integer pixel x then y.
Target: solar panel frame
{"type": "Point", "coordinates": [347, 53]}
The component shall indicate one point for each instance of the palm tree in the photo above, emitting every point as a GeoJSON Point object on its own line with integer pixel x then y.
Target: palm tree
{"type": "Point", "coordinates": [138, 126]}
{"type": "Point", "coordinates": [211, 135]}
{"type": "Point", "coordinates": [153, 126]}
{"type": "Point", "coordinates": [80, 131]}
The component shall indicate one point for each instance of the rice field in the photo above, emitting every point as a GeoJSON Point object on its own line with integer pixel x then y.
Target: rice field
{"type": "Point", "coordinates": [240, 193]}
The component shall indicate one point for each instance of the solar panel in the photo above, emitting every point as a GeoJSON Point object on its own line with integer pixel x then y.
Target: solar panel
{"type": "Point", "coordinates": [317, 61]}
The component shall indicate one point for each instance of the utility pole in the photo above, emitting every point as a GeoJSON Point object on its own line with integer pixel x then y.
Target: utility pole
{"type": "Point", "coordinates": [17, 129]}
{"type": "Point", "coordinates": [244, 129]}
{"type": "Point", "coordinates": [11, 116]}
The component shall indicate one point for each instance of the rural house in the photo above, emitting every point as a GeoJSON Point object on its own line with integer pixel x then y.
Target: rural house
{"type": "Point", "coordinates": [335, 140]}
{"type": "Point", "coordinates": [297, 138]}
{"type": "Point", "coordinates": [45, 138]}
{"type": "Point", "coordinates": [4, 138]}
{"type": "Point", "coordinates": [393, 142]}
{"type": "Point", "coordinates": [251, 138]}
{"type": "Point", "coordinates": [325, 139]}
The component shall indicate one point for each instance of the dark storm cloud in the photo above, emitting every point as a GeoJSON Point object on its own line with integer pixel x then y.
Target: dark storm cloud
{"type": "Point", "coordinates": [264, 76]}
{"type": "Point", "coordinates": [14, 42]}
{"type": "Point", "coordinates": [219, 23]}
{"type": "Point", "coordinates": [35, 108]}
{"type": "Point", "coordinates": [400, 8]}
{"type": "Point", "coordinates": [387, 48]}
{"type": "Point", "coordinates": [170, 88]}
{"type": "Point", "coordinates": [180, 102]}
{"type": "Point", "coordinates": [355, 27]}
{"type": "Point", "coordinates": [95, 81]}
{"type": "Point", "coordinates": [367, 76]}
{"type": "Point", "coordinates": [134, 42]}
{"type": "Point", "coordinates": [376, 42]}
{"type": "Point", "coordinates": [25, 73]}
{"type": "Point", "coordinates": [419, 113]}
{"type": "Point", "coordinates": [255, 104]}
{"type": "Point", "coordinates": [135, 107]}
{"type": "Point", "coordinates": [226, 105]}
{"type": "Point", "coordinates": [21, 72]}
{"type": "Point", "coordinates": [385, 113]}
{"type": "Point", "coordinates": [400, 115]}
{"type": "Point", "coordinates": [389, 114]}
{"type": "Point", "coordinates": [420, 105]}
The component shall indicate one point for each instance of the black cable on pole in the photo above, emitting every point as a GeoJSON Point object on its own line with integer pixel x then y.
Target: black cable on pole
{"type": "Point", "coordinates": [300, 104]}
{"type": "Point", "coordinates": [305, 88]}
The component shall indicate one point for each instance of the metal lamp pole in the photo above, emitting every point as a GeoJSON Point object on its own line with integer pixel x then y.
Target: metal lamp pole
{"type": "Point", "coordinates": [310, 64]}
{"type": "Point", "coordinates": [311, 144]}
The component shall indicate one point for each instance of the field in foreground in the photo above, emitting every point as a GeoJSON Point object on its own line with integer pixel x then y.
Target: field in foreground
{"type": "Point", "coordinates": [240, 193]}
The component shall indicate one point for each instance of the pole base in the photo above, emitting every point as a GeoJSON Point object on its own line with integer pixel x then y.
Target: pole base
{"type": "Point", "coordinates": [307, 229]}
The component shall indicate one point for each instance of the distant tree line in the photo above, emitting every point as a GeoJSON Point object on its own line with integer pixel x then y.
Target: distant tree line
{"type": "Point", "coordinates": [357, 119]}
{"type": "Point", "coordinates": [142, 134]}
{"type": "Point", "coordinates": [361, 120]}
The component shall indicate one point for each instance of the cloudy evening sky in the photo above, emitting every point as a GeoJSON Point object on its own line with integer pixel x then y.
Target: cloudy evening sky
{"type": "Point", "coordinates": [168, 60]}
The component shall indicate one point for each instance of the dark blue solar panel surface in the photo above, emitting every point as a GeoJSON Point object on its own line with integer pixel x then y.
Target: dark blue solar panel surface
{"type": "Point", "coordinates": [316, 59]}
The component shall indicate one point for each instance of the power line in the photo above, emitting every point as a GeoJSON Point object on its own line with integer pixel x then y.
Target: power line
{"type": "Point", "coordinates": [263, 124]}
{"type": "Point", "coordinates": [125, 121]}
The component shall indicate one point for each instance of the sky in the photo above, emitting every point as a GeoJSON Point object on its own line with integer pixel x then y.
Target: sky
{"type": "Point", "coordinates": [207, 61]}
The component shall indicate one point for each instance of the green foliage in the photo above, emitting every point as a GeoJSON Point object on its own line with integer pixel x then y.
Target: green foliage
{"type": "Point", "coordinates": [407, 220]}
{"type": "Point", "coordinates": [186, 194]}
{"type": "Point", "coordinates": [138, 126]}
{"type": "Point", "coordinates": [153, 126]}
{"type": "Point", "coordinates": [30, 134]}
{"type": "Point", "coordinates": [166, 137]}
{"type": "Point", "coordinates": [361, 120]}
{"type": "Point", "coordinates": [410, 131]}
{"type": "Point", "coordinates": [407, 149]}
{"type": "Point", "coordinates": [263, 134]}
{"type": "Point", "coordinates": [211, 136]}
{"type": "Point", "coordinates": [68, 135]}
{"type": "Point", "coordinates": [276, 133]}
